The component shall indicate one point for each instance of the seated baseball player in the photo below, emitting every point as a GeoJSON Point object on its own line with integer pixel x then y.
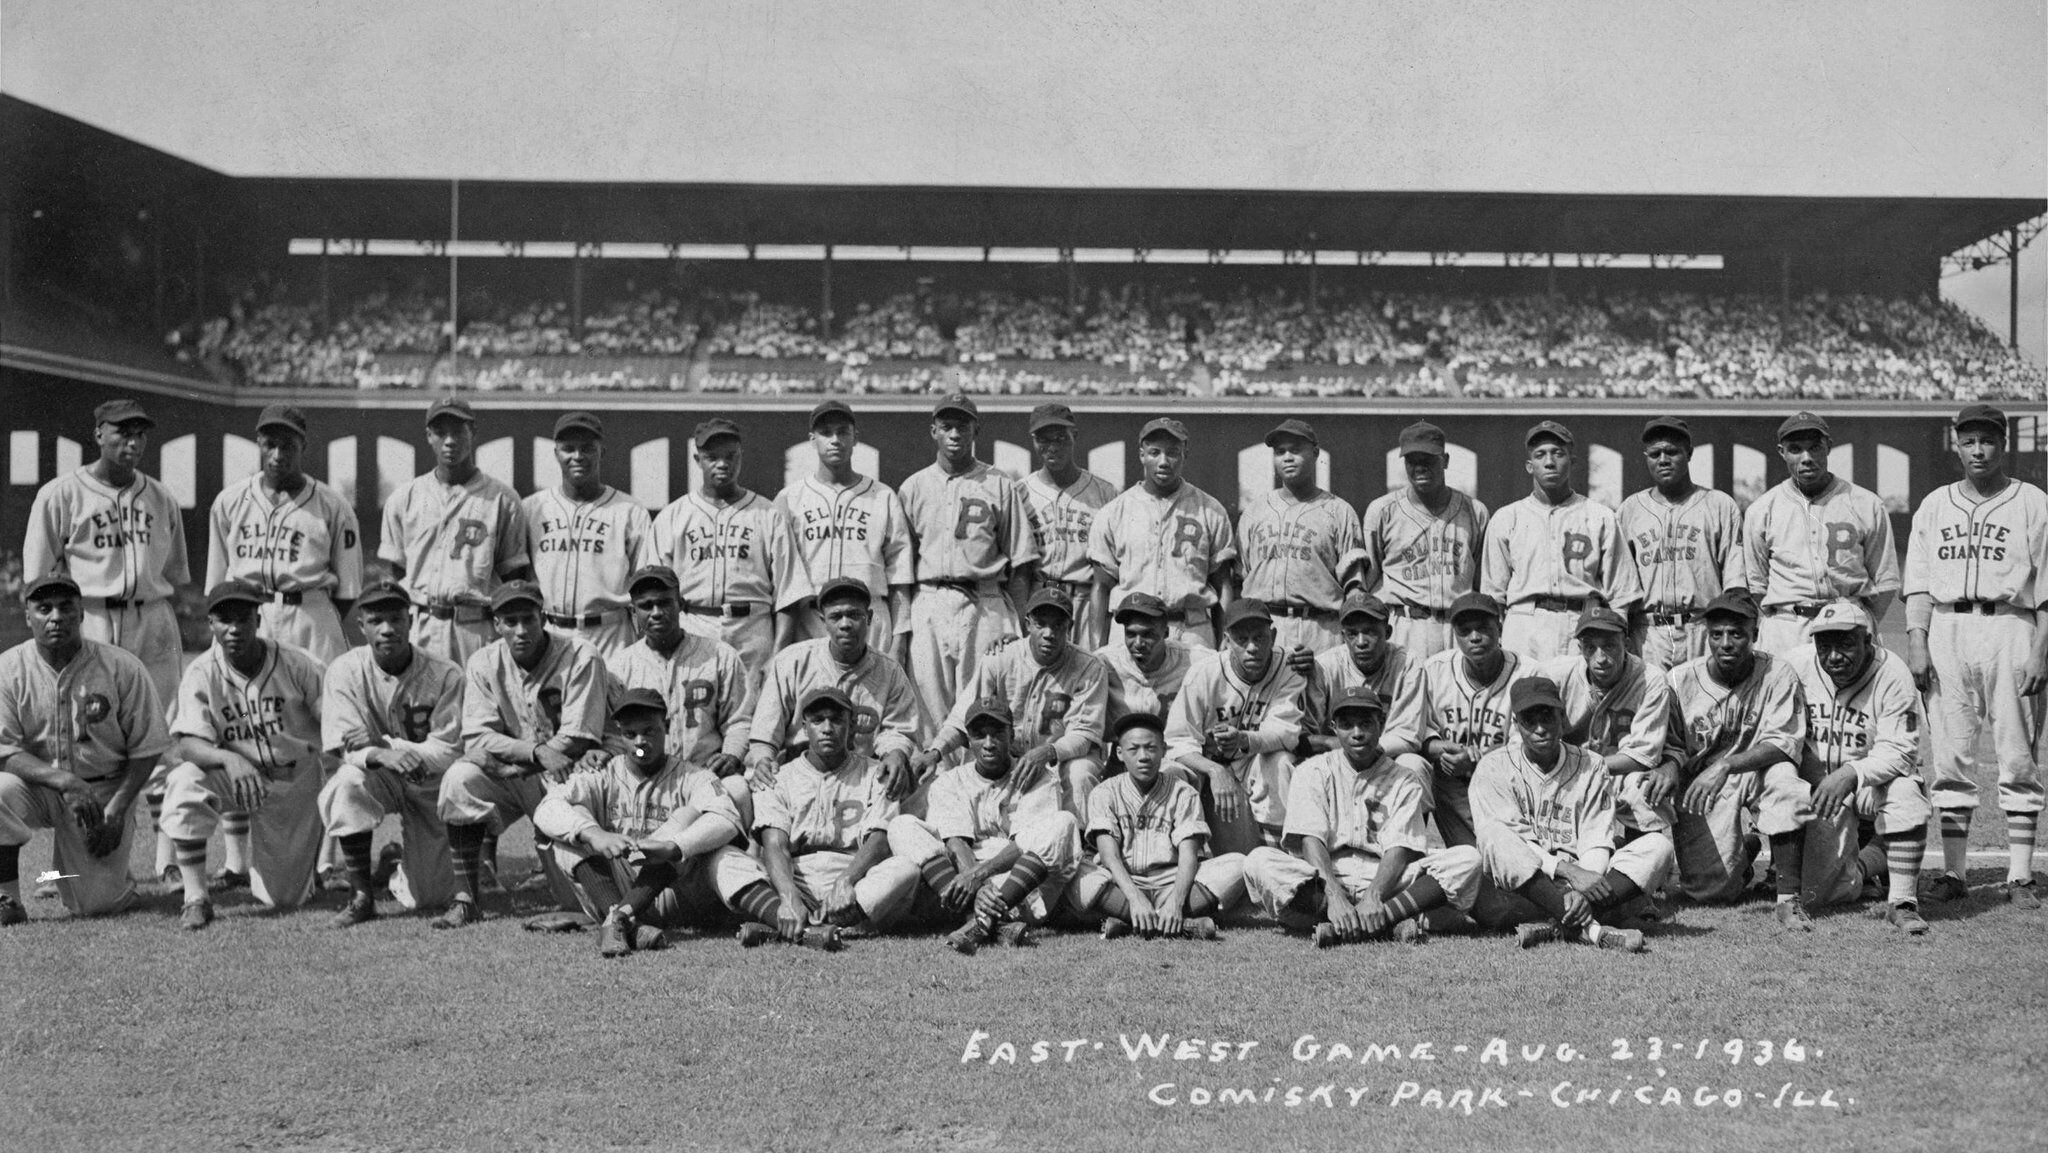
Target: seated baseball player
{"type": "Point", "coordinates": [534, 705]}
{"type": "Point", "coordinates": [704, 679]}
{"type": "Point", "coordinates": [1862, 757]}
{"type": "Point", "coordinates": [994, 844]}
{"type": "Point", "coordinates": [1465, 715]}
{"type": "Point", "coordinates": [887, 722]}
{"type": "Point", "coordinates": [80, 732]}
{"type": "Point", "coordinates": [1618, 707]}
{"type": "Point", "coordinates": [1357, 864]}
{"type": "Point", "coordinates": [1544, 814]}
{"type": "Point", "coordinates": [1146, 667]}
{"type": "Point", "coordinates": [643, 838]}
{"type": "Point", "coordinates": [1234, 727]}
{"type": "Point", "coordinates": [1151, 872]}
{"type": "Point", "coordinates": [1367, 659]}
{"type": "Point", "coordinates": [392, 711]}
{"type": "Point", "coordinates": [1056, 694]}
{"type": "Point", "coordinates": [246, 728]}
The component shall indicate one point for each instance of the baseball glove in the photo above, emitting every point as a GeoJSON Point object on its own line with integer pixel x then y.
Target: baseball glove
{"type": "Point", "coordinates": [103, 838]}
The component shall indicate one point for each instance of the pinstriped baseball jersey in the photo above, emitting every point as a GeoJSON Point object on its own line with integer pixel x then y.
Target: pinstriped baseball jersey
{"type": "Point", "coordinates": [1133, 690]}
{"type": "Point", "coordinates": [1398, 681]}
{"type": "Point", "coordinates": [89, 717]}
{"type": "Point", "coordinates": [1632, 717]}
{"type": "Point", "coordinates": [967, 805]}
{"type": "Point", "coordinates": [1214, 693]}
{"type": "Point", "coordinates": [1684, 554]}
{"type": "Point", "coordinates": [886, 718]}
{"type": "Point", "coordinates": [973, 526]}
{"type": "Point", "coordinates": [744, 552]}
{"type": "Point", "coordinates": [1419, 557]}
{"type": "Point", "coordinates": [1168, 546]}
{"type": "Point", "coordinates": [1711, 720]}
{"type": "Point", "coordinates": [1990, 550]}
{"type": "Point", "coordinates": [1369, 811]}
{"type": "Point", "coordinates": [1148, 827]}
{"type": "Point", "coordinates": [858, 531]}
{"type": "Point", "coordinates": [710, 697]}
{"type": "Point", "coordinates": [124, 544]}
{"type": "Point", "coordinates": [1871, 724]}
{"type": "Point", "coordinates": [1800, 551]}
{"type": "Point", "coordinates": [1064, 703]}
{"type": "Point", "coordinates": [566, 694]}
{"type": "Point", "coordinates": [1567, 811]}
{"type": "Point", "coordinates": [1060, 522]}
{"type": "Point", "coordinates": [1297, 551]}
{"type": "Point", "coordinates": [419, 709]}
{"type": "Point", "coordinates": [1463, 711]}
{"type": "Point", "coordinates": [456, 542]}
{"type": "Point", "coordinates": [1570, 549]}
{"type": "Point", "coordinates": [584, 550]}
{"type": "Point", "coordinates": [308, 540]}
{"type": "Point", "coordinates": [829, 811]}
{"type": "Point", "coordinates": [270, 718]}
{"type": "Point", "coordinates": [619, 800]}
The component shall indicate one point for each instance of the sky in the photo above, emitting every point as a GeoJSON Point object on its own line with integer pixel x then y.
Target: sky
{"type": "Point", "coordinates": [1818, 98]}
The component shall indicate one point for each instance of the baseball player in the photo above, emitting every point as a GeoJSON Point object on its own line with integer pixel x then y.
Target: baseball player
{"type": "Point", "coordinates": [886, 723]}
{"type": "Point", "coordinates": [534, 702]}
{"type": "Point", "coordinates": [975, 558]}
{"type": "Point", "coordinates": [247, 730]}
{"type": "Point", "coordinates": [1152, 873]}
{"type": "Point", "coordinates": [995, 844]}
{"type": "Point", "coordinates": [1976, 582]}
{"type": "Point", "coordinates": [703, 679]}
{"type": "Point", "coordinates": [1685, 543]}
{"type": "Point", "coordinates": [1740, 731]}
{"type": "Point", "coordinates": [1543, 810]}
{"type": "Point", "coordinates": [853, 526]}
{"type": "Point", "coordinates": [1302, 548]}
{"type": "Point", "coordinates": [453, 535]}
{"type": "Point", "coordinates": [1547, 553]}
{"type": "Point", "coordinates": [1359, 865]}
{"type": "Point", "coordinates": [735, 553]}
{"type": "Point", "coordinates": [587, 538]}
{"type": "Point", "coordinates": [1422, 545]}
{"type": "Point", "coordinates": [1617, 706]}
{"type": "Point", "coordinates": [1862, 758]}
{"type": "Point", "coordinates": [392, 711]}
{"type": "Point", "coordinates": [1146, 667]}
{"type": "Point", "coordinates": [1466, 714]}
{"type": "Point", "coordinates": [1235, 725]}
{"type": "Point", "coordinates": [1813, 538]}
{"type": "Point", "coordinates": [1063, 498]}
{"type": "Point", "coordinates": [1166, 537]}
{"type": "Point", "coordinates": [80, 729]}
{"type": "Point", "coordinates": [1057, 696]}
{"type": "Point", "coordinates": [1369, 660]}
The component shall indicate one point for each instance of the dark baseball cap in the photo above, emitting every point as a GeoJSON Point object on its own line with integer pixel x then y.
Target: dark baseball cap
{"type": "Point", "coordinates": [121, 411]}
{"type": "Point", "coordinates": [1600, 619]}
{"type": "Point", "coordinates": [1141, 605]}
{"type": "Point", "coordinates": [282, 416]}
{"type": "Point", "coordinates": [636, 699]}
{"type": "Point", "coordinates": [1050, 597]}
{"type": "Point", "coordinates": [659, 574]}
{"type": "Point", "coordinates": [989, 708]}
{"type": "Point", "coordinates": [233, 592]}
{"type": "Point", "coordinates": [826, 695]}
{"type": "Point", "coordinates": [1737, 602]}
{"type": "Point", "coordinates": [1165, 424]}
{"type": "Point", "coordinates": [1530, 692]}
{"type": "Point", "coordinates": [844, 588]}
{"type": "Point", "coordinates": [1359, 698]}
{"type": "Point", "coordinates": [1052, 416]}
{"type": "Point", "coordinates": [1980, 414]}
{"type": "Point", "coordinates": [586, 421]}
{"type": "Point", "coordinates": [383, 591]}
{"type": "Point", "coordinates": [49, 583]}
{"type": "Point", "coordinates": [1363, 604]}
{"type": "Point", "coordinates": [1129, 721]}
{"type": "Point", "coordinates": [459, 409]}
{"type": "Point", "coordinates": [1667, 425]}
{"type": "Point", "coordinates": [710, 430]}
{"type": "Point", "coordinates": [1245, 609]}
{"type": "Point", "coordinates": [1475, 602]}
{"type": "Point", "coordinates": [1551, 429]}
{"type": "Point", "coordinates": [830, 408]}
{"type": "Point", "coordinates": [1800, 422]}
{"type": "Point", "coordinates": [1422, 436]}
{"type": "Point", "coordinates": [1291, 428]}
{"type": "Point", "coordinates": [517, 592]}
{"type": "Point", "coordinates": [957, 402]}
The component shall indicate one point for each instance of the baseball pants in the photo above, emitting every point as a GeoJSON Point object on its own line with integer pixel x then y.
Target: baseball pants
{"type": "Point", "coordinates": [1272, 877]}
{"type": "Point", "coordinates": [1633, 808]}
{"type": "Point", "coordinates": [313, 625]}
{"type": "Point", "coordinates": [1317, 634]}
{"type": "Point", "coordinates": [1223, 876]}
{"type": "Point", "coordinates": [1781, 633]}
{"type": "Point", "coordinates": [149, 631]}
{"type": "Point", "coordinates": [1538, 634]}
{"type": "Point", "coordinates": [1055, 840]}
{"type": "Point", "coordinates": [470, 795]}
{"type": "Point", "coordinates": [1512, 862]}
{"type": "Point", "coordinates": [1265, 779]}
{"type": "Point", "coordinates": [1422, 637]}
{"type": "Point", "coordinates": [693, 901]}
{"type": "Point", "coordinates": [357, 800]}
{"type": "Point", "coordinates": [1078, 778]}
{"type": "Point", "coordinates": [284, 832]}
{"type": "Point", "coordinates": [100, 884]}
{"type": "Point", "coordinates": [456, 639]}
{"type": "Point", "coordinates": [612, 635]}
{"type": "Point", "coordinates": [1195, 629]}
{"type": "Point", "coordinates": [949, 631]}
{"type": "Point", "coordinates": [1668, 646]}
{"type": "Point", "coordinates": [1978, 667]}
{"type": "Point", "coordinates": [752, 636]}
{"type": "Point", "coordinates": [1830, 872]}
{"type": "Point", "coordinates": [885, 892]}
{"type": "Point", "coordinates": [1091, 626]}
{"type": "Point", "coordinates": [1711, 863]}
{"type": "Point", "coordinates": [1450, 803]}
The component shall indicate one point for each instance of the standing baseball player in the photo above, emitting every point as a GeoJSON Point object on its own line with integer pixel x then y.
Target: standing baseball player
{"type": "Point", "coordinates": [1146, 667]}
{"type": "Point", "coordinates": [453, 535]}
{"type": "Point", "coordinates": [1369, 660]}
{"type": "Point", "coordinates": [703, 679]}
{"type": "Point", "coordinates": [887, 725]}
{"type": "Point", "coordinates": [1547, 553]}
{"type": "Point", "coordinates": [1814, 538]}
{"type": "Point", "coordinates": [852, 526]}
{"type": "Point", "coordinates": [80, 729]}
{"type": "Point", "coordinates": [975, 558]}
{"type": "Point", "coordinates": [1063, 499]}
{"type": "Point", "coordinates": [1166, 537]}
{"type": "Point", "coordinates": [247, 730]}
{"type": "Point", "coordinates": [1235, 726]}
{"type": "Point", "coordinates": [1302, 548]}
{"type": "Point", "coordinates": [1422, 545]}
{"type": "Point", "coordinates": [1976, 583]}
{"type": "Point", "coordinates": [1466, 715]}
{"type": "Point", "coordinates": [587, 538]}
{"type": "Point", "coordinates": [1617, 706]}
{"type": "Point", "coordinates": [1685, 543]}
{"type": "Point", "coordinates": [735, 553]}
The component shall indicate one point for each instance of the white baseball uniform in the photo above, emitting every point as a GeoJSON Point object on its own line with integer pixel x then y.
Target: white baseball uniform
{"type": "Point", "coordinates": [859, 531]}
{"type": "Point", "coordinates": [564, 697]}
{"type": "Point", "coordinates": [1714, 721]}
{"type": "Point", "coordinates": [1064, 704]}
{"type": "Point", "coordinates": [583, 551]}
{"type": "Point", "coordinates": [1799, 554]}
{"type": "Point", "coordinates": [457, 542]}
{"type": "Point", "coordinates": [990, 816]}
{"type": "Point", "coordinates": [973, 531]}
{"type": "Point", "coordinates": [304, 549]}
{"type": "Point", "coordinates": [1149, 829]}
{"type": "Point", "coordinates": [1872, 726]}
{"type": "Point", "coordinates": [1631, 717]}
{"type": "Point", "coordinates": [1133, 690]}
{"type": "Point", "coordinates": [618, 799]}
{"type": "Point", "coordinates": [1268, 712]}
{"type": "Point", "coordinates": [1060, 522]}
{"type": "Point", "coordinates": [1296, 556]}
{"type": "Point", "coordinates": [709, 695]}
{"type": "Point", "coordinates": [1684, 555]}
{"type": "Point", "coordinates": [1543, 560]}
{"type": "Point", "coordinates": [1419, 562]}
{"type": "Point", "coordinates": [886, 715]}
{"type": "Point", "coordinates": [1529, 821]}
{"type": "Point", "coordinates": [739, 565]}
{"type": "Point", "coordinates": [1171, 547]}
{"type": "Point", "coordinates": [826, 814]}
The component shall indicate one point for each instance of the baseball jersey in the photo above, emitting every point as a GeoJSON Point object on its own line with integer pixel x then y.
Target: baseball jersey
{"type": "Point", "coordinates": [308, 540]}
{"type": "Point", "coordinates": [1419, 557]}
{"type": "Point", "coordinates": [1800, 552]}
{"type": "Point", "coordinates": [826, 810]}
{"type": "Point", "coordinates": [965, 804]}
{"type": "Point", "coordinates": [1060, 521]}
{"type": "Point", "coordinates": [1565, 814]}
{"type": "Point", "coordinates": [1990, 550]}
{"type": "Point", "coordinates": [1572, 549]}
{"type": "Point", "coordinates": [583, 551]}
{"type": "Point", "coordinates": [89, 717]}
{"type": "Point", "coordinates": [1268, 710]}
{"type": "Point", "coordinates": [726, 554]}
{"type": "Point", "coordinates": [710, 697]}
{"type": "Point", "coordinates": [1872, 724]}
{"type": "Point", "coordinates": [457, 541]}
{"type": "Point", "coordinates": [1685, 553]}
{"type": "Point", "coordinates": [1465, 712]}
{"type": "Point", "coordinates": [1398, 681]}
{"type": "Point", "coordinates": [1133, 690]}
{"type": "Point", "coordinates": [1632, 717]}
{"type": "Point", "coordinates": [122, 544]}
{"type": "Point", "coordinates": [973, 526]}
{"type": "Point", "coordinates": [1168, 546]}
{"type": "Point", "coordinates": [858, 531]}
{"type": "Point", "coordinates": [1297, 551]}
{"type": "Point", "coordinates": [270, 718]}
{"type": "Point", "coordinates": [564, 695]}
{"type": "Point", "coordinates": [1351, 810]}
{"type": "Point", "coordinates": [1711, 720]}
{"type": "Point", "coordinates": [419, 710]}
{"type": "Point", "coordinates": [886, 717]}
{"type": "Point", "coordinates": [1064, 703]}
{"type": "Point", "coordinates": [618, 799]}
{"type": "Point", "coordinates": [1148, 827]}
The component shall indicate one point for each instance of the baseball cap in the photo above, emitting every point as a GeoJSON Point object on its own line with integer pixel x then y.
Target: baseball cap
{"type": "Point", "coordinates": [640, 699]}
{"type": "Point", "coordinates": [459, 409]}
{"type": "Point", "coordinates": [831, 407]}
{"type": "Point", "coordinates": [1530, 692]}
{"type": "Point", "coordinates": [710, 430]}
{"type": "Point", "coordinates": [1600, 619]}
{"type": "Point", "coordinates": [1363, 604]}
{"type": "Point", "coordinates": [825, 694]}
{"type": "Point", "coordinates": [1738, 601]}
{"type": "Point", "coordinates": [1052, 416]}
{"type": "Point", "coordinates": [1165, 424]}
{"type": "Point", "coordinates": [383, 591]}
{"type": "Point", "coordinates": [55, 582]}
{"type": "Point", "coordinates": [989, 708]}
{"type": "Point", "coordinates": [842, 588]}
{"type": "Point", "coordinates": [281, 416]}
{"type": "Point", "coordinates": [1422, 436]}
{"type": "Point", "coordinates": [1141, 605]}
{"type": "Point", "coordinates": [1475, 602]}
{"type": "Point", "coordinates": [1549, 428]}
{"type": "Point", "coordinates": [517, 592]}
{"type": "Point", "coordinates": [1800, 422]}
{"type": "Point", "coordinates": [233, 592]}
{"type": "Point", "coordinates": [1360, 698]}
{"type": "Point", "coordinates": [1291, 428]}
{"type": "Point", "coordinates": [1049, 597]}
{"type": "Point", "coordinates": [120, 411]}
{"type": "Point", "coordinates": [1667, 424]}
{"type": "Point", "coordinates": [1839, 617]}
{"type": "Point", "coordinates": [659, 574]}
{"type": "Point", "coordinates": [587, 421]}
{"type": "Point", "coordinates": [1129, 721]}
{"type": "Point", "coordinates": [958, 402]}
{"type": "Point", "coordinates": [1981, 414]}
{"type": "Point", "coordinates": [1245, 609]}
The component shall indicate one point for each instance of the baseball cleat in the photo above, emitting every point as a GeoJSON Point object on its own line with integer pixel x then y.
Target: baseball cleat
{"type": "Point", "coordinates": [1326, 936]}
{"type": "Point", "coordinates": [557, 922]}
{"type": "Point", "coordinates": [334, 879]}
{"type": "Point", "coordinates": [227, 879]}
{"type": "Point", "coordinates": [615, 935]}
{"type": "Point", "coordinates": [824, 938]}
{"type": "Point", "coordinates": [459, 913]}
{"type": "Point", "coordinates": [648, 939]}
{"type": "Point", "coordinates": [1198, 929]}
{"type": "Point", "coordinates": [2022, 894]}
{"type": "Point", "coordinates": [1530, 934]}
{"type": "Point", "coordinates": [754, 934]}
{"type": "Point", "coordinates": [1114, 927]}
{"type": "Point", "coordinates": [11, 912]}
{"type": "Point", "coordinates": [1409, 932]}
{"type": "Point", "coordinates": [1793, 916]}
{"type": "Point", "coordinates": [1621, 940]}
{"type": "Point", "coordinates": [1948, 887]}
{"type": "Point", "coordinates": [388, 860]}
{"type": "Point", "coordinates": [968, 938]}
{"type": "Point", "coordinates": [195, 916]}
{"type": "Point", "coordinates": [1014, 934]}
{"type": "Point", "coordinates": [1906, 917]}
{"type": "Point", "coordinates": [361, 907]}
{"type": "Point", "coordinates": [172, 875]}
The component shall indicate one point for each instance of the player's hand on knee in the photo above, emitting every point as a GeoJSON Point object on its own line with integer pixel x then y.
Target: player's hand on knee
{"type": "Point", "coordinates": [553, 763]}
{"type": "Point", "coordinates": [927, 764]}
{"type": "Point", "coordinates": [998, 645]}
{"type": "Point", "coordinates": [1229, 796]}
{"type": "Point", "coordinates": [1705, 789]}
{"type": "Point", "coordinates": [1834, 791]}
{"type": "Point", "coordinates": [761, 773]}
{"type": "Point", "coordinates": [1301, 659]}
{"type": "Point", "coordinates": [1593, 886]}
{"type": "Point", "coordinates": [595, 760]}
{"type": "Point", "coordinates": [610, 846]}
{"type": "Point", "coordinates": [898, 779]}
{"type": "Point", "coordinates": [724, 765]}
{"type": "Point", "coordinates": [1660, 783]}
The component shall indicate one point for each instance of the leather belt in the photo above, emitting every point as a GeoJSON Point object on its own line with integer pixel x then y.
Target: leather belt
{"type": "Point", "coordinates": [285, 598]}
{"type": "Point", "coordinates": [1559, 604]}
{"type": "Point", "coordinates": [118, 603]}
{"type": "Point", "coordinates": [1668, 616]}
{"type": "Point", "coordinates": [1419, 612]}
{"type": "Point", "coordinates": [1300, 612]}
{"type": "Point", "coordinates": [970, 588]}
{"type": "Point", "coordinates": [738, 610]}
{"type": "Point", "coordinates": [1808, 611]}
{"type": "Point", "coordinates": [587, 620]}
{"type": "Point", "coordinates": [445, 610]}
{"type": "Point", "coordinates": [1981, 608]}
